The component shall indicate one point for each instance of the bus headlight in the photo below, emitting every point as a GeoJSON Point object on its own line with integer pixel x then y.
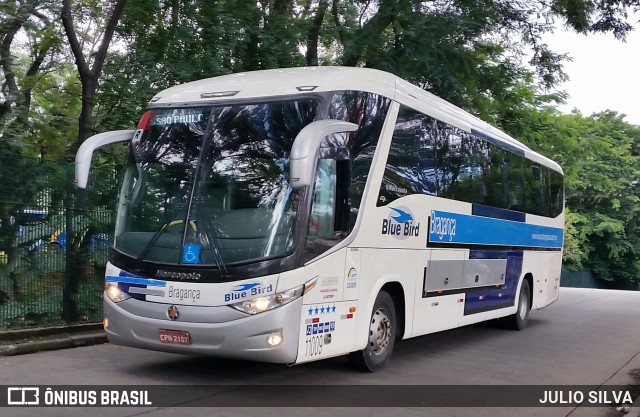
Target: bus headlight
{"type": "Point", "coordinates": [114, 293]}
{"type": "Point", "coordinates": [269, 302]}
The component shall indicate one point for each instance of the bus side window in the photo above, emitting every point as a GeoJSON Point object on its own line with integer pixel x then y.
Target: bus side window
{"type": "Point", "coordinates": [537, 189]}
{"type": "Point", "coordinates": [411, 160]}
{"type": "Point", "coordinates": [557, 191]}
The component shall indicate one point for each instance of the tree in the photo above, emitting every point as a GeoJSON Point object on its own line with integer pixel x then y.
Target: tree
{"type": "Point", "coordinates": [22, 65]}
{"type": "Point", "coordinates": [94, 45]}
{"type": "Point", "coordinates": [470, 52]}
{"type": "Point", "coordinates": [605, 196]}
{"type": "Point", "coordinates": [601, 163]}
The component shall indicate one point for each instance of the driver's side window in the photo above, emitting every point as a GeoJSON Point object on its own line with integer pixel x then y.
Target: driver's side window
{"type": "Point", "coordinates": [324, 230]}
{"type": "Point", "coordinates": [321, 219]}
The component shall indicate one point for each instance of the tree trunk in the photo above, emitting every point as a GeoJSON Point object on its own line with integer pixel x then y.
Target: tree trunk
{"type": "Point", "coordinates": [89, 75]}
{"type": "Point", "coordinates": [85, 121]}
{"type": "Point", "coordinates": [313, 34]}
{"type": "Point", "coordinates": [369, 35]}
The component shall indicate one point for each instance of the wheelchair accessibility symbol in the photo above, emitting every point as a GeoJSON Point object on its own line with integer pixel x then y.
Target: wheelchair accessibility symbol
{"type": "Point", "coordinates": [191, 253]}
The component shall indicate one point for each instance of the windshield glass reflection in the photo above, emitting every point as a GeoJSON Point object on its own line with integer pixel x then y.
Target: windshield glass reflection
{"type": "Point", "coordinates": [209, 185]}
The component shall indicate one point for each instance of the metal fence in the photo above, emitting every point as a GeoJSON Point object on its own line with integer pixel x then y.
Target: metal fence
{"type": "Point", "coordinates": [54, 244]}
{"type": "Point", "coordinates": [585, 279]}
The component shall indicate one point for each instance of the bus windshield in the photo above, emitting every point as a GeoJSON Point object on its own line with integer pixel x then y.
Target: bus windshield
{"type": "Point", "coordinates": [209, 185]}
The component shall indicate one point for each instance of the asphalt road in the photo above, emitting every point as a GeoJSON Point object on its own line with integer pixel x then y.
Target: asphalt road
{"type": "Point", "coordinates": [588, 337]}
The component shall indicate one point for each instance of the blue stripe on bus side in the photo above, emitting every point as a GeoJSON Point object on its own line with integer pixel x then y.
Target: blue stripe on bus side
{"type": "Point", "coordinates": [141, 281]}
{"type": "Point", "coordinates": [495, 298]}
{"type": "Point", "coordinates": [454, 228]}
{"type": "Point", "coordinates": [498, 213]}
{"type": "Point", "coordinates": [124, 273]}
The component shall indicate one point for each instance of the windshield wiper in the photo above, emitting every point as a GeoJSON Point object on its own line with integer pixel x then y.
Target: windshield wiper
{"type": "Point", "coordinates": [156, 236]}
{"type": "Point", "coordinates": [212, 238]}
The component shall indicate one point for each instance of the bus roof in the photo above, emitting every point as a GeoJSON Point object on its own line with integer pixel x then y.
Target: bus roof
{"type": "Point", "coordinates": [309, 80]}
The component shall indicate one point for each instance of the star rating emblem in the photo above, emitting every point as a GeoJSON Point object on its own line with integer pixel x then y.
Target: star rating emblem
{"type": "Point", "coordinates": [322, 309]}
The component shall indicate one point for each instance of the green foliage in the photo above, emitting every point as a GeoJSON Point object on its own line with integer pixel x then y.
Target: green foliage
{"type": "Point", "coordinates": [53, 125]}
{"type": "Point", "coordinates": [575, 240]}
{"type": "Point", "coordinates": [602, 167]}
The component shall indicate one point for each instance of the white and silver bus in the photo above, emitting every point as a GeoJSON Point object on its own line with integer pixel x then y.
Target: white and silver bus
{"type": "Point", "coordinates": [297, 214]}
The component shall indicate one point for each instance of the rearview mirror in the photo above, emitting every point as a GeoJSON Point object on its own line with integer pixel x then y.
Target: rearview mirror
{"type": "Point", "coordinates": [305, 149]}
{"type": "Point", "coordinates": [85, 152]}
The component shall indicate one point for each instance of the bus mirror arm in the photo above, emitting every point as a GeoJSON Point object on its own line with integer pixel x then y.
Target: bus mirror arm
{"type": "Point", "coordinates": [85, 152]}
{"type": "Point", "coordinates": [305, 149]}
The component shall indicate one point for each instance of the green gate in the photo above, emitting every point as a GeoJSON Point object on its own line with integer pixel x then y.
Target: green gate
{"type": "Point", "coordinates": [54, 244]}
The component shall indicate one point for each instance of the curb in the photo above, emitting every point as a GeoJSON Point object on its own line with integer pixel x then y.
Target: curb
{"type": "Point", "coordinates": [20, 342]}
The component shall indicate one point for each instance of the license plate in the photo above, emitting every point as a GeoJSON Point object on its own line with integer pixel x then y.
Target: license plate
{"type": "Point", "coordinates": [174, 336]}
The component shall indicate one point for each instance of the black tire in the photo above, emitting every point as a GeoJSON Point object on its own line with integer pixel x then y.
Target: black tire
{"type": "Point", "coordinates": [518, 321]}
{"type": "Point", "coordinates": [382, 336]}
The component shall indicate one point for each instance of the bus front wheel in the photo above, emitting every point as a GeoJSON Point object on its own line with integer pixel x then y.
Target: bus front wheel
{"type": "Point", "coordinates": [518, 321]}
{"type": "Point", "coordinates": [381, 336]}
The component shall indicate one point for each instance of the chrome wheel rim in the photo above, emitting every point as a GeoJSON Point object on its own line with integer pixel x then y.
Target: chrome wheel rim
{"type": "Point", "coordinates": [379, 331]}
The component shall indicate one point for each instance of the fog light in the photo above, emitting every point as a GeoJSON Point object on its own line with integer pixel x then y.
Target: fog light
{"type": "Point", "coordinates": [274, 339]}
{"type": "Point", "coordinates": [105, 322]}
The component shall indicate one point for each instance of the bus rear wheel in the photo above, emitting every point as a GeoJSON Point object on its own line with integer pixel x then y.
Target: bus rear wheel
{"type": "Point", "coordinates": [381, 336]}
{"type": "Point", "coordinates": [518, 321]}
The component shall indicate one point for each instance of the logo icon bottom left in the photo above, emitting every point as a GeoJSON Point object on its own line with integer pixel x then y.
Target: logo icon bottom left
{"type": "Point", "coordinates": [23, 396]}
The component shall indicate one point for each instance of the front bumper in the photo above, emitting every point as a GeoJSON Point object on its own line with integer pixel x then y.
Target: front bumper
{"type": "Point", "coordinates": [214, 331]}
